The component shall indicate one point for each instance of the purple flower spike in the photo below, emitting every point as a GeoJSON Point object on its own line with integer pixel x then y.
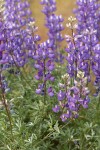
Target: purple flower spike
{"type": "Point", "coordinates": [17, 32]}
{"type": "Point", "coordinates": [54, 25]}
{"type": "Point", "coordinates": [89, 28]}
{"type": "Point", "coordinates": [45, 65]}
{"type": "Point", "coordinates": [72, 98]}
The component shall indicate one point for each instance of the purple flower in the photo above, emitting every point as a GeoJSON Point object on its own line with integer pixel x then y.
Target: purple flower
{"type": "Point", "coordinates": [75, 90]}
{"type": "Point", "coordinates": [38, 91]}
{"type": "Point", "coordinates": [56, 109]}
{"type": "Point", "coordinates": [86, 102]}
{"type": "Point", "coordinates": [61, 95]}
{"type": "Point", "coordinates": [64, 117]}
{"type": "Point", "coordinates": [50, 92]}
{"type": "Point", "coordinates": [52, 79]}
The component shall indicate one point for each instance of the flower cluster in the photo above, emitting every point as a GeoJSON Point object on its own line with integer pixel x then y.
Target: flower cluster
{"type": "Point", "coordinates": [72, 98]}
{"type": "Point", "coordinates": [31, 39]}
{"type": "Point", "coordinates": [72, 50]}
{"type": "Point", "coordinates": [44, 57]}
{"type": "Point", "coordinates": [2, 37]}
{"type": "Point", "coordinates": [53, 23]}
{"type": "Point", "coordinates": [87, 15]}
{"type": "Point", "coordinates": [98, 22]}
{"type": "Point", "coordinates": [96, 68]}
{"type": "Point", "coordinates": [18, 31]}
{"type": "Point", "coordinates": [50, 6]}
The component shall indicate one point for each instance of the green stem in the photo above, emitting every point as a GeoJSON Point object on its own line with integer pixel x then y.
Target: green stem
{"type": "Point", "coordinates": [44, 80]}
{"type": "Point", "coordinates": [5, 104]}
{"type": "Point", "coordinates": [7, 111]}
{"type": "Point", "coordinates": [99, 100]}
{"type": "Point", "coordinates": [75, 61]}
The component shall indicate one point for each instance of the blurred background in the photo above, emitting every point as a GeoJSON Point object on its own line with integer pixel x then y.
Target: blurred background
{"type": "Point", "coordinates": [64, 8]}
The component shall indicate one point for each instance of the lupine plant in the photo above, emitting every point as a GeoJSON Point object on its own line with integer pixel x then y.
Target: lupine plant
{"type": "Point", "coordinates": [53, 23]}
{"type": "Point", "coordinates": [88, 26]}
{"type": "Point", "coordinates": [72, 98]}
{"type": "Point", "coordinates": [44, 64]}
{"type": "Point", "coordinates": [45, 105]}
{"type": "Point", "coordinates": [4, 88]}
{"type": "Point", "coordinates": [72, 50]}
{"type": "Point", "coordinates": [20, 43]}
